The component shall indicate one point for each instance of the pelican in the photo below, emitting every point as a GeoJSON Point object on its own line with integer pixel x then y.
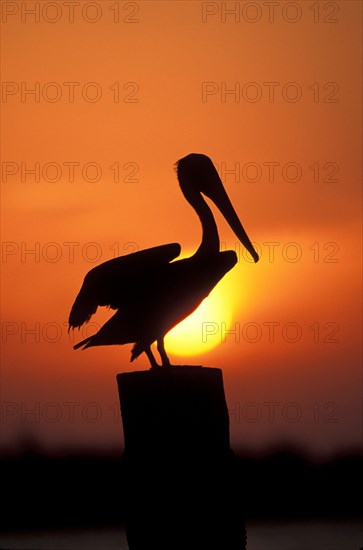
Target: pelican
{"type": "Point", "coordinates": [151, 292]}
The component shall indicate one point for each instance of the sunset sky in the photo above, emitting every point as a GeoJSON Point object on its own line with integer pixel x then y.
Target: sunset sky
{"type": "Point", "coordinates": [121, 91]}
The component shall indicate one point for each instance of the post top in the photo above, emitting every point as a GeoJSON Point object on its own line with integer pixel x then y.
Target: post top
{"type": "Point", "coordinates": [171, 370]}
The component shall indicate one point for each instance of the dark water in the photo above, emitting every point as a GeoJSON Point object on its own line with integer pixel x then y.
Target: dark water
{"type": "Point", "coordinates": [309, 535]}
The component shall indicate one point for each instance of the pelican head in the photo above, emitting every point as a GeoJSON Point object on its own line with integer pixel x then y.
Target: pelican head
{"type": "Point", "coordinates": [197, 175]}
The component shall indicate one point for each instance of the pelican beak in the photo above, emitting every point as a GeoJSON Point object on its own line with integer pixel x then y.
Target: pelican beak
{"type": "Point", "coordinates": [215, 191]}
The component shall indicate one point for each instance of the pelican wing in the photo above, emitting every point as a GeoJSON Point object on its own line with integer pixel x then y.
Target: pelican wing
{"type": "Point", "coordinates": [115, 282]}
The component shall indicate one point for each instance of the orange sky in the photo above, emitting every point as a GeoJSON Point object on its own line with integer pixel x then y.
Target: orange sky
{"type": "Point", "coordinates": [306, 392]}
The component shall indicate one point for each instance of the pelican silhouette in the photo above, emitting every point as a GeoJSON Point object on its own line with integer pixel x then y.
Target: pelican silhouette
{"type": "Point", "coordinates": [150, 292]}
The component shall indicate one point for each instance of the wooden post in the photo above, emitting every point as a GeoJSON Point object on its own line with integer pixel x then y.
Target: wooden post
{"type": "Point", "coordinates": [182, 489]}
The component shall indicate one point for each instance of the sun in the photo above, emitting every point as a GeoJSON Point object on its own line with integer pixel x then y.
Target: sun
{"type": "Point", "coordinates": [205, 328]}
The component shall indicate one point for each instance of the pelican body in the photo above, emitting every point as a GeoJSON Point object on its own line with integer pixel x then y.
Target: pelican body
{"type": "Point", "coordinates": [151, 292]}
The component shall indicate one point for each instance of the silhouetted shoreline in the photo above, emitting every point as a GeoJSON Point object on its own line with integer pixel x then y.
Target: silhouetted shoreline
{"type": "Point", "coordinates": [79, 490]}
